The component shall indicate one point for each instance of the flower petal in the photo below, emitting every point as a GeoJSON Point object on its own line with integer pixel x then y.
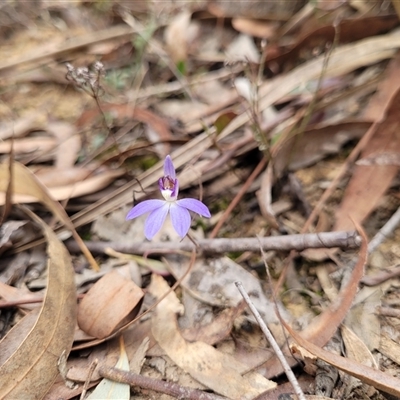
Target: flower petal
{"type": "Point", "coordinates": [155, 220]}
{"type": "Point", "coordinates": [194, 205]}
{"type": "Point", "coordinates": [144, 207]}
{"type": "Point", "coordinates": [169, 169]}
{"type": "Point", "coordinates": [180, 218]}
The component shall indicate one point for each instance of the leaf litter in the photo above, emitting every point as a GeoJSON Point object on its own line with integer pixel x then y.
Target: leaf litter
{"type": "Point", "coordinates": [264, 109]}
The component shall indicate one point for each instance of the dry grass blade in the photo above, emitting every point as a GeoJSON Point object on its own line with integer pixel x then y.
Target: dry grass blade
{"type": "Point", "coordinates": [25, 183]}
{"type": "Point", "coordinates": [32, 368]}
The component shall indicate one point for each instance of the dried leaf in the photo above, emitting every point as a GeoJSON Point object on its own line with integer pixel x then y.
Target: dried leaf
{"type": "Point", "coordinates": [42, 145]}
{"type": "Point", "coordinates": [32, 368]}
{"type": "Point", "coordinates": [91, 183]}
{"type": "Point", "coordinates": [369, 183]}
{"type": "Point", "coordinates": [107, 305]}
{"type": "Point", "coordinates": [218, 329]}
{"type": "Point", "coordinates": [25, 183]}
{"type": "Point", "coordinates": [68, 143]}
{"type": "Point", "coordinates": [13, 294]}
{"type": "Point", "coordinates": [212, 281]}
{"type": "Point", "coordinates": [178, 34]}
{"type": "Point", "coordinates": [218, 371]}
{"type": "Point", "coordinates": [390, 348]}
{"type": "Point", "coordinates": [257, 28]}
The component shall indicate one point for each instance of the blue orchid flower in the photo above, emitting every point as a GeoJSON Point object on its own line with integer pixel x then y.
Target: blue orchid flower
{"type": "Point", "coordinates": [159, 209]}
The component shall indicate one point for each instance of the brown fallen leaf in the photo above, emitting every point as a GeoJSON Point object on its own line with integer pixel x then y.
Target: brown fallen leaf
{"type": "Point", "coordinates": [390, 348]}
{"type": "Point", "coordinates": [348, 30]}
{"type": "Point", "coordinates": [43, 145]}
{"type": "Point", "coordinates": [89, 185]}
{"type": "Point", "coordinates": [218, 329]}
{"type": "Point", "coordinates": [357, 350]}
{"type": "Point", "coordinates": [255, 9]}
{"type": "Point", "coordinates": [255, 27]}
{"type": "Point", "coordinates": [369, 183]}
{"type": "Point", "coordinates": [25, 183]}
{"type": "Point", "coordinates": [214, 369]}
{"type": "Point", "coordinates": [12, 294]}
{"type": "Point", "coordinates": [108, 304]}
{"type": "Point", "coordinates": [31, 369]}
{"type": "Point", "coordinates": [68, 143]}
{"type": "Point", "coordinates": [21, 126]}
{"type": "Point", "coordinates": [178, 35]}
{"type": "Point", "coordinates": [317, 142]}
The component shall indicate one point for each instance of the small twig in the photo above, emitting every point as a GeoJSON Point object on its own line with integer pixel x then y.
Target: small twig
{"type": "Point", "coordinates": [170, 388]}
{"type": "Point", "coordinates": [92, 367]}
{"type": "Point", "coordinates": [384, 232]}
{"type": "Point", "coordinates": [299, 242]}
{"type": "Point", "coordinates": [289, 373]}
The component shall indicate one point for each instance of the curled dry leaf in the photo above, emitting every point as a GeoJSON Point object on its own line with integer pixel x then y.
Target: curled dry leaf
{"type": "Point", "coordinates": [214, 369]}
{"type": "Point", "coordinates": [108, 304]}
{"type": "Point", "coordinates": [31, 369]}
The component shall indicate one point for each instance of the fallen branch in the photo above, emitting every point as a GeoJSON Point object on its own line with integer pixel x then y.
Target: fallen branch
{"type": "Point", "coordinates": [170, 388]}
{"type": "Point", "coordinates": [280, 243]}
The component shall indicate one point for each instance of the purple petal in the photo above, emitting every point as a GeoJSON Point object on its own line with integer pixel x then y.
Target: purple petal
{"type": "Point", "coordinates": [144, 207]}
{"type": "Point", "coordinates": [155, 220]}
{"type": "Point", "coordinates": [169, 169]}
{"type": "Point", "coordinates": [180, 218]}
{"type": "Point", "coordinates": [194, 205]}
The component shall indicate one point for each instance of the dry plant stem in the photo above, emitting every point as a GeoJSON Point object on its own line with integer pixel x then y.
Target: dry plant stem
{"type": "Point", "coordinates": [92, 367]}
{"type": "Point", "coordinates": [289, 373]}
{"type": "Point", "coordinates": [172, 389]}
{"type": "Point", "coordinates": [384, 232]}
{"type": "Point", "coordinates": [282, 243]}
{"type": "Point", "coordinates": [261, 165]}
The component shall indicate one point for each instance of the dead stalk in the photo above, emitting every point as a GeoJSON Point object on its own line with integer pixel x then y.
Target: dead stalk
{"type": "Point", "coordinates": [289, 373]}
